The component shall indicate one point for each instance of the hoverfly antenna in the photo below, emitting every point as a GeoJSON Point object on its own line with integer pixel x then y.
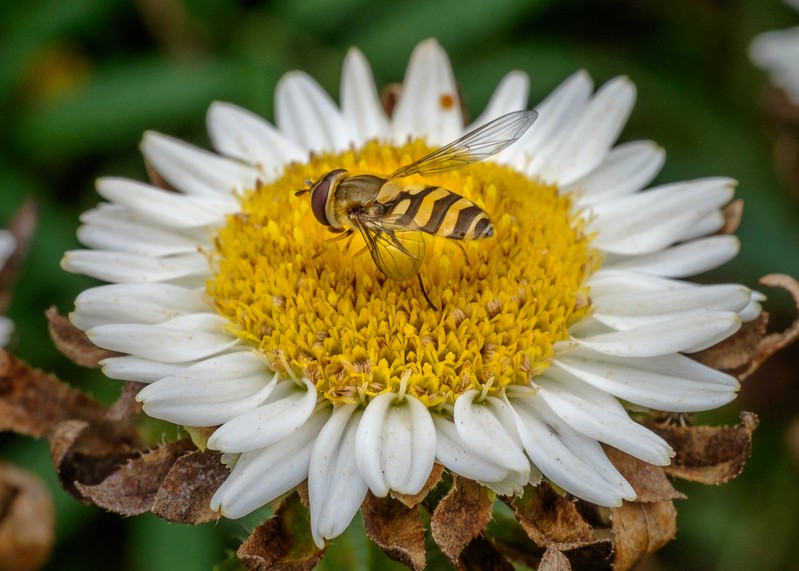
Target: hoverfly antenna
{"type": "Point", "coordinates": [301, 191]}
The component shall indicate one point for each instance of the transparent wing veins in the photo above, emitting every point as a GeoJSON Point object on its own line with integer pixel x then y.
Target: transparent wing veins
{"type": "Point", "coordinates": [395, 243]}
{"type": "Point", "coordinates": [483, 142]}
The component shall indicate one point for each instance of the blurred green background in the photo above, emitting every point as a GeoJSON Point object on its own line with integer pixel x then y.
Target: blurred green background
{"type": "Point", "coordinates": [81, 80]}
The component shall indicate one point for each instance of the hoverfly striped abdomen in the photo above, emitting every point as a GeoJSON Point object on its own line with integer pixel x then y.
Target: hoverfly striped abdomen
{"type": "Point", "coordinates": [441, 212]}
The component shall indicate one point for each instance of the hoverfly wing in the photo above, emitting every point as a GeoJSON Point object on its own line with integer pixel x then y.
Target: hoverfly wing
{"type": "Point", "coordinates": [395, 243]}
{"type": "Point", "coordinates": [474, 146]}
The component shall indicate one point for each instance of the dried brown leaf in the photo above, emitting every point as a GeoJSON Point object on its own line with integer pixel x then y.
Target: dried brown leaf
{"type": "Point", "coordinates": [649, 482]}
{"type": "Point", "coordinates": [22, 227]}
{"type": "Point", "coordinates": [460, 516]}
{"type": "Point", "coordinates": [551, 520]}
{"type": "Point", "coordinates": [792, 440]}
{"type": "Point", "coordinates": [87, 454]}
{"type": "Point", "coordinates": [432, 481]}
{"type": "Point", "coordinates": [708, 454]}
{"type": "Point", "coordinates": [482, 554]}
{"type": "Point", "coordinates": [396, 529]}
{"type": "Point", "coordinates": [743, 353]}
{"type": "Point", "coordinates": [554, 560]}
{"type": "Point", "coordinates": [73, 343]}
{"type": "Point", "coordinates": [283, 541]}
{"type": "Point", "coordinates": [33, 403]}
{"type": "Point", "coordinates": [185, 493]}
{"type": "Point", "coordinates": [640, 529]}
{"type": "Point", "coordinates": [126, 405]}
{"type": "Point", "coordinates": [27, 520]}
{"type": "Point", "coordinates": [131, 488]}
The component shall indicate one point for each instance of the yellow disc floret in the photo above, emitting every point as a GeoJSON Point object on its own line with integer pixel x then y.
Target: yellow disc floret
{"type": "Point", "coordinates": [321, 308]}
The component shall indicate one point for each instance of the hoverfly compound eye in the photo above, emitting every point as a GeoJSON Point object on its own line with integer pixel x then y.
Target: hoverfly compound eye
{"type": "Point", "coordinates": [320, 193]}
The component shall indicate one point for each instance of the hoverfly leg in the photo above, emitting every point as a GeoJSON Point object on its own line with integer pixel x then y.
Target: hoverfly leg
{"type": "Point", "coordinates": [424, 292]}
{"type": "Point", "coordinates": [341, 234]}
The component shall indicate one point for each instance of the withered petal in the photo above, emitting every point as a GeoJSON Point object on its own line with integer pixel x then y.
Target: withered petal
{"type": "Point", "coordinates": [640, 529]}
{"type": "Point", "coordinates": [461, 516]}
{"type": "Point", "coordinates": [185, 494]}
{"type": "Point", "coordinates": [396, 529]}
{"type": "Point", "coordinates": [132, 488]}
{"type": "Point", "coordinates": [73, 343]}
{"type": "Point", "coordinates": [283, 541]}
{"type": "Point", "coordinates": [708, 454]}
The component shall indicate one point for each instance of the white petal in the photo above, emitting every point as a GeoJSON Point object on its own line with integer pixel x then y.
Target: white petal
{"type": "Point", "coordinates": [135, 303]}
{"type": "Point", "coordinates": [184, 338]}
{"type": "Point", "coordinates": [670, 382]}
{"type": "Point", "coordinates": [102, 232]}
{"type": "Point", "coordinates": [308, 116]}
{"type": "Point", "coordinates": [241, 134]}
{"type": "Point", "coordinates": [210, 392]}
{"type": "Point", "coordinates": [453, 453]}
{"type": "Point", "coordinates": [484, 429]}
{"type": "Point", "coordinates": [335, 487]}
{"type": "Point", "coordinates": [167, 209]}
{"type": "Point", "coordinates": [682, 260]}
{"type": "Point", "coordinates": [587, 141]}
{"type": "Point", "coordinates": [360, 103]}
{"type": "Point", "coordinates": [646, 222]}
{"type": "Point", "coordinates": [666, 337]}
{"type": "Point", "coordinates": [626, 169]}
{"type": "Point", "coordinates": [395, 445]}
{"type": "Point", "coordinates": [118, 267]}
{"type": "Point", "coordinates": [129, 368]}
{"type": "Point", "coordinates": [194, 170]}
{"type": "Point", "coordinates": [428, 106]}
{"type": "Point", "coordinates": [568, 458]}
{"type": "Point", "coordinates": [266, 424]}
{"type": "Point", "coordinates": [556, 114]}
{"type": "Point", "coordinates": [263, 475]}
{"type": "Point", "coordinates": [510, 95]}
{"type": "Point", "coordinates": [600, 416]}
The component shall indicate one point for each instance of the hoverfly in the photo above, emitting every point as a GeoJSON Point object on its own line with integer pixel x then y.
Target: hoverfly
{"type": "Point", "coordinates": [391, 215]}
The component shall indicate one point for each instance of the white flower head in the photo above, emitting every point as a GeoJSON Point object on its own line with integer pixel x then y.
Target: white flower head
{"type": "Point", "coordinates": [7, 246]}
{"type": "Point", "coordinates": [777, 52]}
{"type": "Point", "coordinates": [230, 300]}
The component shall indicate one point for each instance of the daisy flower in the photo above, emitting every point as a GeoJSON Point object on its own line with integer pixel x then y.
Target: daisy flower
{"type": "Point", "coordinates": [230, 300]}
{"type": "Point", "coordinates": [777, 52]}
{"type": "Point", "coordinates": [7, 246]}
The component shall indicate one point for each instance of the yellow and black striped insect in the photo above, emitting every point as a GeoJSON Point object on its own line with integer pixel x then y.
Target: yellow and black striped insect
{"type": "Point", "coordinates": [391, 215]}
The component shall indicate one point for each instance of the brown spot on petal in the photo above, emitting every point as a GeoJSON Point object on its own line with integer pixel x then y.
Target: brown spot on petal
{"type": "Point", "coordinates": [460, 516]}
{"type": "Point", "coordinates": [396, 529]}
{"type": "Point", "coordinates": [132, 488]}
{"type": "Point", "coordinates": [640, 529]}
{"type": "Point", "coordinates": [27, 521]}
{"type": "Point", "coordinates": [389, 96]}
{"type": "Point", "coordinates": [73, 343]}
{"type": "Point", "coordinates": [446, 101]}
{"type": "Point", "coordinates": [185, 493]}
{"type": "Point", "coordinates": [283, 541]}
{"type": "Point", "coordinates": [708, 454]}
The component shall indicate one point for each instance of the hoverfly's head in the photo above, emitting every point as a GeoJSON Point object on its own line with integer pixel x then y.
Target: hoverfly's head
{"type": "Point", "coordinates": [321, 192]}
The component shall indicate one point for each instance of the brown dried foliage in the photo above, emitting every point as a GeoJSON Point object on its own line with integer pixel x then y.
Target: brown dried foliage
{"type": "Point", "coordinates": [27, 520]}
{"type": "Point", "coordinates": [73, 343]}
{"type": "Point", "coordinates": [22, 227]}
{"type": "Point", "coordinates": [396, 529]}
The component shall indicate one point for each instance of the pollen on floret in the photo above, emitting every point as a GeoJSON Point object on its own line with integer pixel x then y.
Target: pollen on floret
{"type": "Point", "coordinates": [322, 309]}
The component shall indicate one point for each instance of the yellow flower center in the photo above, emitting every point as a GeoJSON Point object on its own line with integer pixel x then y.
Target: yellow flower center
{"type": "Point", "coordinates": [322, 309]}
